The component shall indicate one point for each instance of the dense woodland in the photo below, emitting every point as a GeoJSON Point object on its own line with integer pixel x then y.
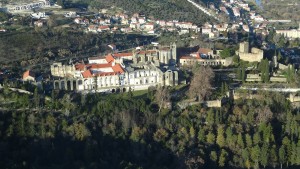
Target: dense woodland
{"type": "Point", "coordinates": [129, 130]}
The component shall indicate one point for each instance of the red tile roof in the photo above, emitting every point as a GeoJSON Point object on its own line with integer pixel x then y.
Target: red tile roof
{"type": "Point", "coordinates": [109, 58]}
{"type": "Point", "coordinates": [98, 66]}
{"type": "Point", "coordinates": [80, 67]}
{"type": "Point", "coordinates": [106, 74]}
{"type": "Point", "coordinates": [118, 68]}
{"type": "Point", "coordinates": [27, 74]}
{"type": "Point", "coordinates": [204, 50]}
{"type": "Point", "coordinates": [103, 27]}
{"type": "Point", "coordinates": [188, 57]}
{"type": "Point", "coordinates": [122, 54]}
{"type": "Point", "coordinates": [87, 74]}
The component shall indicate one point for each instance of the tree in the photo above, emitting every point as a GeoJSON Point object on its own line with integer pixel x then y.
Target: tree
{"type": "Point", "coordinates": [210, 138]}
{"type": "Point", "coordinates": [243, 74]}
{"type": "Point", "coordinates": [227, 52]}
{"type": "Point", "coordinates": [79, 131]}
{"type": "Point", "coordinates": [162, 97]}
{"type": "Point", "coordinates": [201, 83]}
{"type": "Point", "coordinates": [282, 155]}
{"type": "Point", "coordinates": [248, 141]}
{"type": "Point", "coordinates": [220, 137]}
{"type": "Point", "coordinates": [273, 156]}
{"type": "Point", "coordinates": [256, 138]}
{"type": "Point", "coordinates": [240, 141]}
{"type": "Point", "coordinates": [264, 155]}
{"type": "Point", "coordinates": [255, 154]}
{"type": "Point", "coordinates": [137, 134]}
{"type": "Point", "coordinates": [265, 72]}
{"type": "Point", "coordinates": [192, 132]}
{"type": "Point", "coordinates": [201, 135]}
{"type": "Point", "coordinates": [222, 158]}
{"type": "Point", "coordinates": [213, 156]}
{"type": "Point", "coordinates": [160, 135]}
{"type": "Point", "coordinates": [36, 98]}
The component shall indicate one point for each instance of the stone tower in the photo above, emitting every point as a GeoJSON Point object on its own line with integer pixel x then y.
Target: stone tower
{"type": "Point", "coordinates": [174, 52]}
{"type": "Point", "coordinates": [244, 47]}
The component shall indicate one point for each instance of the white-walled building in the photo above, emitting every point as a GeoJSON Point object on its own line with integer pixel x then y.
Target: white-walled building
{"type": "Point", "coordinates": [109, 73]}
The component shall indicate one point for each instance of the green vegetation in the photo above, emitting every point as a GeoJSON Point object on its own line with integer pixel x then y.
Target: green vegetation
{"type": "Point", "coordinates": [129, 130]}
{"type": "Point", "coordinates": [36, 46]}
{"type": "Point", "coordinates": [159, 9]}
{"type": "Point", "coordinates": [277, 9]}
{"type": "Point", "coordinates": [3, 16]}
{"type": "Point", "coordinates": [227, 52]}
{"type": "Point", "coordinates": [265, 70]}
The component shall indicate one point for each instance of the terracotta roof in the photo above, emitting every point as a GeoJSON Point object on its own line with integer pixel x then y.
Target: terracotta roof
{"type": "Point", "coordinates": [186, 57]}
{"type": "Point", "coordinates": [87, 74]}
{"type": "Point", "coordinates": [27, 74]}
{"type": "Point", "coordinates": [109, 58]}
{"type": "Point", "coordinates": [122, 54]}
{"type": "Point", "coordinates": [106, 74]}
{"type": "Point", "coordinates": [80, 67]}
{"type": "Point", "coordinates": [98, 66]}
{"type": "Point", "coordinates": [92, 27]}
{"type": "Point", "coordinates": [118, 68]}
{"type": "Point", "coordinates": [103, 27]}
{"type": "Point", "coordinates": [204, 50]}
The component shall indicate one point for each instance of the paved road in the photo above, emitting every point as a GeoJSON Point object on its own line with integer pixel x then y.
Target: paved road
{"type": "Point", "coordinates": [203, 9]}
{"type": "Point", "coordinates": [283, 90]}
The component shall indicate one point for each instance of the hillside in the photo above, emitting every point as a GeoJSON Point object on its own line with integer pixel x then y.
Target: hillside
{"type": "Point", "coordinates": [159, 9]}
{"type": "Point", "coordinates": [278, 9]}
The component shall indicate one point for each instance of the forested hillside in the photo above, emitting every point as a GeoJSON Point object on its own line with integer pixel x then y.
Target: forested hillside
{"type": "Point", "coordinates": [128, 131]}
{"type": "Point", "coordinates": [160, 9]}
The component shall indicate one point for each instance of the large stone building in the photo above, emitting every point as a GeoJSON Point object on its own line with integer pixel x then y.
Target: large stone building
{"type": "Point", "coordinates": [114, 73]}
{"type": "Point", "coordinates": [205, 57]}
{"type": "Point", "coordinates": [291, 33]}
{"type": "Point", "coordinates": [255, 55]}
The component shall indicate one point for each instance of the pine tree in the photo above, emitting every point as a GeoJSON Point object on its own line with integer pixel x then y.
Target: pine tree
{"type": "Point", "coordinates": [240, 141]}
{"type": "Point", "coordinates": [210, 138]}
{"type": "Point", "coordinates": [220, 137]}
{"type": "Point", "coordinates": [222, 158]}
{"type": "Point", "coordinates": [282, 155]}
{"type": "Point", "coordinates": [36, 98]}
{"type": "Point", "coordinates": [255, 154]}
{"type": "Point", "coordinates": [243, 74]}
{"type": "Point", "coordinates": [248, 141]}
{"type": "Point", "coordinates": [264, 154]}
{"type": "Point", "coordinates": [192, 132]}
{"type": "Point", "coordinates": [273, 156]}
{"type": "Point", "coordinates": [229, 136]}
{"type": "Point", "coordinates": [210, 119]}
{"type": "Point", "coordinates": [256, 138]}
{"type": "Point", "coordinates": [201, 135]}
{"type": "Point", "coordinates": [213, 156]}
